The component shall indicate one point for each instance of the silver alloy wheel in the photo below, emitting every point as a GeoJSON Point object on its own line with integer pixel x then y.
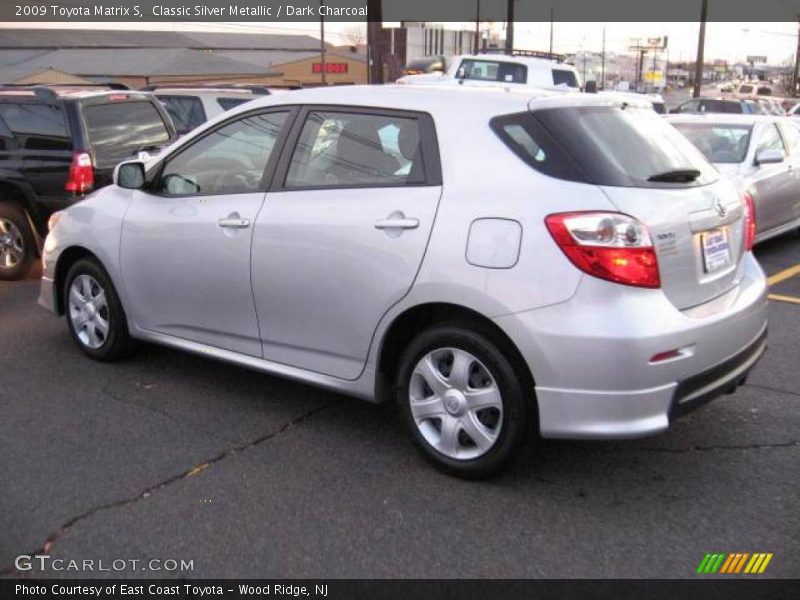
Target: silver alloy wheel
{"type": "Point", "coordinates": [456, 403]}
{"type": "Point", "coordinates": [12, 246]}
{"type": "Point", "coordinates": [88, 311]}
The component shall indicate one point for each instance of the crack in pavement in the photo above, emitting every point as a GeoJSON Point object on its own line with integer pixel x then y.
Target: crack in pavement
{"type": "Point", "coordinates": [147, 492]}
{"type": "Point", "coordinates": [697, 448]}
{"type": "Point", "coordinates": [772, 389]}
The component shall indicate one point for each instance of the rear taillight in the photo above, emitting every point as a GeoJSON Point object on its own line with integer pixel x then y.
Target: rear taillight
{"type": "Point", "coordinates": [749, 222]}
{"type": "Point", "coordinates": [611, 246]}
{"type": "Point", "coordinates": [81, 174]}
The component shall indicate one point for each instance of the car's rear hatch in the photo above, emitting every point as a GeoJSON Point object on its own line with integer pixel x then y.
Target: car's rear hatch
{"type": "Point", "coordinates": [120, 125]}
{"type": "Point", "coordinates": [651, 172]}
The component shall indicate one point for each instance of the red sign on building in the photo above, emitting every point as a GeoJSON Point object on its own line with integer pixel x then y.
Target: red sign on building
{"type": "Point", "coordinates": [330, 67]}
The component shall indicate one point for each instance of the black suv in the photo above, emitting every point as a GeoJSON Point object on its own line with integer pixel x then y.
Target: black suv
{"type": "Point", "coordinates": [58, 143]}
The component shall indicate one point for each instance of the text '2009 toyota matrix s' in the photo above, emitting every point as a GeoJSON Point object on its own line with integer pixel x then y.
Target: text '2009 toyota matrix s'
{"type": "Point", "coordinates": [568, 263]}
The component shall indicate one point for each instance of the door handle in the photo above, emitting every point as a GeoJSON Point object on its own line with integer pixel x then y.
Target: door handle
{"type": "Point", "coordinates": [397, 224]}
{"type": "Point", "coordinates": [234, 223]}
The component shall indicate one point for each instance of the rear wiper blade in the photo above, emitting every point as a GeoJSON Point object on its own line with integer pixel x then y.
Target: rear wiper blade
{"type": "Point", "coordinates": [676, 176]}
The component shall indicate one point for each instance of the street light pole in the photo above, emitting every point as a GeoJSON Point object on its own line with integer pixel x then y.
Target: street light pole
{"type": "Point", "coordinates": [510, 28]}
{"type": "Point", "coordinates": [477, 26]}
{"type": "Point", "coordinates": [374, 51]}
{"type": "Point", "coordinates": [603, 62]}
{"type": "Point", "coordinates": [698, 67]}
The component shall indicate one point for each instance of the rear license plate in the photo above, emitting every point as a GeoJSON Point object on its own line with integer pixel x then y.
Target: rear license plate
{"type": "Point", "coordinates": [716, 250]}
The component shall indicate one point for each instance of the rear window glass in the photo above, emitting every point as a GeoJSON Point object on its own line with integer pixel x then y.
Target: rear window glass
{"type": "Point", "coordinates": [119, 130]}
{"type": "Point", "coordinates": [613, 146]}
{"type": "Point", "coordinates": [562, 77]}
{"type": "Point", "coordinates": [186, 112]}
{"type": "Point", "coordinates": [492, 70]}
{"type": "Point", "coordinates": [719, 143]}
{"type": "Point", "coordinates": [229, 103]}
{"type": "Point", "coordinates": [36, 126]}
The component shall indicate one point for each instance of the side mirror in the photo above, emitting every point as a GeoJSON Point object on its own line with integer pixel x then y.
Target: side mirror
{"type": "Point", "coordinates": [769, 156]}
{"type": "Point", "coordinates": [129, 175]}
{"type": "Point", "coordinates": [591, 87]}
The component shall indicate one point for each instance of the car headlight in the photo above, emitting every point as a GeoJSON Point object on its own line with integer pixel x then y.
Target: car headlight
{"type": "Point", "coordinates": [53, 220]}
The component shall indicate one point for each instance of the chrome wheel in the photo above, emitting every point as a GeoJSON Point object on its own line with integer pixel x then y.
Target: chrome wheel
{"type": "Point", "coordinates": [88, 311]}
{"type": "Point", "coordinates": [12, 246]}
{"type": "Point", "coordinates": [455, 403]}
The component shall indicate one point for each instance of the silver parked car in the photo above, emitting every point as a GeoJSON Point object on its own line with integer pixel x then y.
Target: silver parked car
{"type": "Point", "coordinates": [496, 263]}
{"type": "Point", "coordinates": [761, 155]}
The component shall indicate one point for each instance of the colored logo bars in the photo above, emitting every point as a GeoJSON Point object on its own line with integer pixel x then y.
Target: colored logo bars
{"type": "Point", "coordinates": [738, 562]}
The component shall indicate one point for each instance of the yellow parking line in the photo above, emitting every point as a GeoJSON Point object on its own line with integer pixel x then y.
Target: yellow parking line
{"type": "Point", "coordinates": [780, 298]}
{"type": "Point", "coordinates": [784, 275]}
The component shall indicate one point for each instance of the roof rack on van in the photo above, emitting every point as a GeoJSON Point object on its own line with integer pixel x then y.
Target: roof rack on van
{"type": "Point", "coordinates": [527, 53]}
{"type": "Point", "coordinates": [255, 89]}
{"type": "Point", "coordinates": [41, 92]}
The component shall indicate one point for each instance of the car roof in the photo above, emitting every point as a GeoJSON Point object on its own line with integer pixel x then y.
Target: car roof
{"type": "Point", "coordinates": [204, 91]}
{"type": "Point", "coordinates": [518, 59]}
{"type": "Point", "coordinates": [723, 118]}
{"type": "Point", "coordinates": [440, 100]}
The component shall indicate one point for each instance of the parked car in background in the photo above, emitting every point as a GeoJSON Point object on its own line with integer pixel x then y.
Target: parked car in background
{"type": "Point", "coordinates": [761, 154]}
{"type": "Point", "coordinates": [192, 105]}
{"type": "Point", "coordinates": [458, 251]}
{"type": "Point", "coordinates": [58, 143]}
{"type": "Point", "coordinates": [655, 100]}
{"type": "Point", "coordinates": [747, 106]}
{"type": "Point", "coordinates": [429, 64]}
{"type": "Point", "coordinates": [522, 69]}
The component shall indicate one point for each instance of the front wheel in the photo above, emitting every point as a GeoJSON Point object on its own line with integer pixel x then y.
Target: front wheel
{"type": "Point", "coordinates": [462, 401]}
{"type": "Point", "coordinates": [94, 312]}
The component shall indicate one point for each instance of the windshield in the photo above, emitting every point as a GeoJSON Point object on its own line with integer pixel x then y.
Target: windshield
{"type": "Point", "coordinates": [117, 130]}
{"type": "Point", "coordinates": [719, 143]}
{"type": "Point", "coordinates": [625, 146]}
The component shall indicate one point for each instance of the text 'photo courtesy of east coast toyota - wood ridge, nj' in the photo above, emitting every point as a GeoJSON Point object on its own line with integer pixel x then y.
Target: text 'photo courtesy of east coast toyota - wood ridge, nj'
{"type": "Point", "coordinates": [401, 299]}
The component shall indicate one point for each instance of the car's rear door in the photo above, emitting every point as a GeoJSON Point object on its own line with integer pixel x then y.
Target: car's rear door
{"type": "Point", "coordinates": [342, 233]}
{"type": "Point", "coordinates": [774, 187]}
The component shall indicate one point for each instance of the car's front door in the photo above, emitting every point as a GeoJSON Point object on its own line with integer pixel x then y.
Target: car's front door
{"type": "Point", "coordinates": [185, 251]}
{"type": "Point", "coordinates": [342, 233]}
{"type": "Point", "coordinates": [773, 183]}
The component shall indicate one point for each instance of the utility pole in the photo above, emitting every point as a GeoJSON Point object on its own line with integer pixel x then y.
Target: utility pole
{"type": "Point", "coordinates": [701, 43]}
{"type": "Point", "coordinates": [374, 52]}
{"type": "Point", "coordinates": [477, 26]}
{"type": "Point", "coordinates": [551, 30]}
{"type": "Point", "coordinates": [322, 42]}
{"type": "Point", "coordinates": [602, 62]}
{"type": "Point", "coordinates": [510, 28]}
{"type": "Point", "coordinates": [796, 61]}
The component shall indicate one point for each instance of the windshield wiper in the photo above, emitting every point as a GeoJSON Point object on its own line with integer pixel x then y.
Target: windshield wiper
{"type": "Point", "coordinates": [676, 176]}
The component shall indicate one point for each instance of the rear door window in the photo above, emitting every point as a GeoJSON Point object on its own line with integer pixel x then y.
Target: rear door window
{"type": "Point", "coordinates": [792, 136]}
{"type": "Point", "coordinates": [493, 70]}
{"type": "Point", "coordinates": [564, 77]}
{"type": "Point", "coordinates": [770, 139]}
{"type": "Point", "coordinates": [719, 143]}
{"type": "Point", "coordinates": [35, 126]}
{"type": "Point", "coordinates": [118, 130]}
{"type": "Point", "coordinates": [613, 146]}
{"type": "Point", "coordinates": [356, 150]}
{"type": "Point", "coordinates": [186, 112]}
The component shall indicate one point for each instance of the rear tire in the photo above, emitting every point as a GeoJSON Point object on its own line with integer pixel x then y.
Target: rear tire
{"type": "Point", "coordinates": [17, 242]}
{"type": "Point", "coordinates": [94, 312]}
{"type": "Point", "coordinates": [462, 401]}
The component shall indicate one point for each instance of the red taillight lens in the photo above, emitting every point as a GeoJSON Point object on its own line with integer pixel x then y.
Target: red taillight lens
{"type": "Point", "coordinates": [611, 246]}
{"type": "Point", "coordinates": [749, 222]}
{"type": "Point", "coordinates": [81, 174]}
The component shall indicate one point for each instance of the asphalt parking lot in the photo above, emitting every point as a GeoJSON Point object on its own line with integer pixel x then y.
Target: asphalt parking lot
{"type": "Point", "coordinates": [169, 455]}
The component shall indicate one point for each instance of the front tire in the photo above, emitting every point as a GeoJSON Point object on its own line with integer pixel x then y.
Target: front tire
{"type": "Point", "coordinates": [94, 312]}
{"type": "Point", "coordinates": [463, 403]}
{"type": "Point", "coordinates": [17, 242]}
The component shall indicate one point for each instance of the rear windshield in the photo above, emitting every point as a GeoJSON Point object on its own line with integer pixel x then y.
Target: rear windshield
{"type": "Point", "coordinates": [607, 145]}
{"type": "Point", "coordinates": [119, 130]}
{"type": "Point", "coordinates": [229, 103]}
{"type": "Point", "coordinates": [719, 143]}
{"type": "Point", "coordinates": [562, 77]}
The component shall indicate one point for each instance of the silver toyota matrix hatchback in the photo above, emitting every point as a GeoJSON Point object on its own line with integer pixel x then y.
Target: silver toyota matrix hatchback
{"type": "Point", "coordinates": [495, 263]}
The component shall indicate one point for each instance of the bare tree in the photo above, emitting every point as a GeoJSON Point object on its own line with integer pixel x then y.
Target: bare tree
{"type": "Point", "coordinates": [354, 35]}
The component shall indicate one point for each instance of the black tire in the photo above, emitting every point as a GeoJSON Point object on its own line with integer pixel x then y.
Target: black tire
{"type": "Point", "coordinates": [117, 343]}
{"type": "Point", "coordinates": [517, 403]}
{"type": "Point", "coordinates": [11, 246]}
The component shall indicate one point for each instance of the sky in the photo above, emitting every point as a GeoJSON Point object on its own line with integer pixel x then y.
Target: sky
{"type": "Point", "coordinates": [728, 41]}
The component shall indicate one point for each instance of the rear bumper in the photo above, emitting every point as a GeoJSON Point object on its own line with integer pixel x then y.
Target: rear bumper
{"type": "Point", "coordinates": [591, 356]}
